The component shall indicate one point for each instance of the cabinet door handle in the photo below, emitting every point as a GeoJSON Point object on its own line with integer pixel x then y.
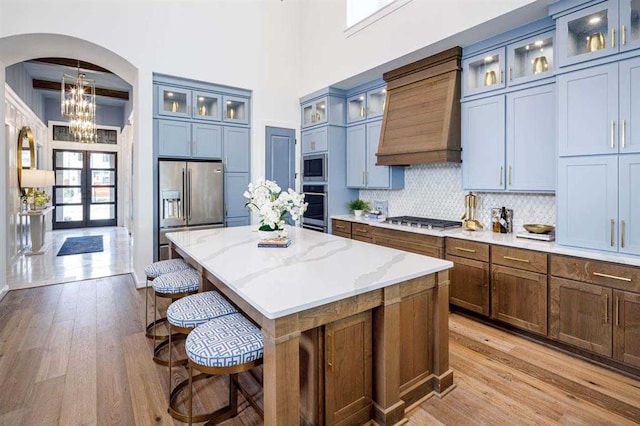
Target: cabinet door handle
{"type": "Point", "coordinates": [501, 76]}
{"type": "Point", "coordinates": [617, 313]}
{"type": "Point", "coordinates": [500, 175]}
{"type": "Point", "coordinates": [510, 74]}
{"type": "Point", "coordinates": [509, 179]}
{"type": "Point", "coordinates": [613, 37]}
{"type": "Point", "coordinates": [613, 134]}
{"type": "Point", "coordinates": [613, 277]}
{"type": "Point", "coordinates": [516, 259]}
{"type": "Point", "coordinates": [606, 309]}
{"type": "Point", "coordinates": [366, 178]}
{"type": "Point", "coordinates": [330, 361]}
{"type": "Point", "coordinates": [622, 233]}
{"type": "Point", "coordinates": [613, 224]}
{"type": "Point", "coordinates": [623, 136]}
{"type": "Point", "coordinates": [465, 249]}
{"type": "Point", "coordinates": [363, 178]}
{"type": "Point", "coordinates": [623, 35]}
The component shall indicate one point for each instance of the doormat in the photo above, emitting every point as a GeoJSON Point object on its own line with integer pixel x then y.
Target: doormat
{"type": "Point", "coordinates": [79, 245]}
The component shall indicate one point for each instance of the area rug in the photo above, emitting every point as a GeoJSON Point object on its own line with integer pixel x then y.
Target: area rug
{"type": "Point", "coordinates": [79, 245]}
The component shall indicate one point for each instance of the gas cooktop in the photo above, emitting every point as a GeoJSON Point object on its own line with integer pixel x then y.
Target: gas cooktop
{"type": "Point", "coordinates": [423, 222]}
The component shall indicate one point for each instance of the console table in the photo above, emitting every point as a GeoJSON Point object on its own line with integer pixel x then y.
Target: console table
{"type": "Point", "coordinates": [37, 228]}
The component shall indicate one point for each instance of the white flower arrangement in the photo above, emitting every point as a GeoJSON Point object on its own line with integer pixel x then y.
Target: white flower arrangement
{"type": "Point", "coordinates": [272, 204]}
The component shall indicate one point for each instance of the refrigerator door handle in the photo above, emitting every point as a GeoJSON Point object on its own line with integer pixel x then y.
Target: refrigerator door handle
{"type": "Point", "coordinates": [184, 195]}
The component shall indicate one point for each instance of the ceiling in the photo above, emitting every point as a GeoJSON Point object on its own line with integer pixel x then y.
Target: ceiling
{"type": "Point", "coordinates": [37, 70]}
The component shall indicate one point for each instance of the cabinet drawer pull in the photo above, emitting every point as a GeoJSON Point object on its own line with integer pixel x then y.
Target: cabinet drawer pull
{"type": "Point", "coordinates": [613, 225]}
{"type": "Point", "coordinates": [623, 35]}
{"type": "Point", "coordinates": [623, 137]}
{"type": "Point", "coordinates": [613, 277]}
{"type": "Point", "coordinates": [617, 313]}
{"type": "Point", "coordinates": [606, 309]}
{"type": "Point", "coordinates": [613, 37]}
{"type": "Point", "coordinates": [622, 233]}
{"type": "Point", "coordinates": [517, 259]}
{"type": "Point", "coordinates": [362, 231]}
{"type": "Point", "coordinates": [465, 249]}
{"type": "Point", "coordinates": [613, 134]}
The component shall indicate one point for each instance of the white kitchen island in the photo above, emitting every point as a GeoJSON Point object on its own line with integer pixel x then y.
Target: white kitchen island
{"type": "Point", "coordinates": [368, 323]}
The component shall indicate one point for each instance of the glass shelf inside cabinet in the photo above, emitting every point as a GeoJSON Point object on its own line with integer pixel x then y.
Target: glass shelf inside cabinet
{"type": "Point", "coordinates": [533, 59]}
{"type": "Point", "coordinates": [587, 34]}
{"type": "Point", "coordinates": [484, 72]}
{"type": "Point", "coordinates": [376, 101]}
{"type": "Point", "coordinates": [174, 102]}
{"type": "Point", "coordinates": [634, 24]}
{"type": "Point", "coordinates": [357, 109]}
{"type": "Point", "coordinates": [207, 106]}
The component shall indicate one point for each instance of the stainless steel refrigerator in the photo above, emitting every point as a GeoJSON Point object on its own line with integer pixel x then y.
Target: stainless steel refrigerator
{"type": "Point", "coordinates": [190, 196]}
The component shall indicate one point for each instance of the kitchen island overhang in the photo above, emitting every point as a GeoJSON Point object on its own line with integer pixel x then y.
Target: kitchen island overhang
{"type": "Point", "coordinates": [297, 294]}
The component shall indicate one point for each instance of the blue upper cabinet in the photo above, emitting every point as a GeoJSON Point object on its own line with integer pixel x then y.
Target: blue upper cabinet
{"type": "Point", "coordinates": [531, 139]}
{"type": "Point", "coordinates": [483, 144]}
{"type": "Point", "coordinates": [356, 156]}
{"type": "Point", "coordinates": [173, 102]}
{"type": "Point", "coordinates": [174, 138]}
{"type": "Point", "coordinates": [596, 31]}
{"type": "Point", "coordinates": [235, 109]}
{"type": "Point", "coordinates": [323, 108]}
{"type": "Point", "coordinates": [236, 149]}
{"type": "Point", "coordinates": [530, 59]}
{"type": "Point", "coordinates": [630, 105]}
{"type": "Point", "coordinates": [206, 105]}
{"type": "Point", "coordinates": [207, 141]}
{"type": "Point", "coordinates": [484, 72]}
{"type": "Point", "coordinates": [366, 105]}
{"type": "Point", "coordinates": [588, 116]}
{"type": "Point", "coordinates": [315, 140]}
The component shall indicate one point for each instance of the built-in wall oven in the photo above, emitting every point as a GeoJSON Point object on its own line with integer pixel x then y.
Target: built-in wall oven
{"type": "Point", "coordinates": [316, 216]}
{"type": "Point", "coordinates": [314, 168]}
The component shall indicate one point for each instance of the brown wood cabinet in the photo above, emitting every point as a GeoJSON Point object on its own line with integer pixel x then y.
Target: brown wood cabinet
{"type": "Point", "coordinates": [413, 242]}
{"type": "Point", "coordinates": [469, 277]}
{"type": "Point", "coordinates": [519, 290]}
{"type": "Point", "coordinates": [626, 329]}
{"type": "Point", "coordinates": [341, 228]}
{"type": "Point", "coordinates": [348, 370]}
{"type": "Point", "coordinates": [580, 315]}
{"type": "Point", "coordinates": [361, 232]}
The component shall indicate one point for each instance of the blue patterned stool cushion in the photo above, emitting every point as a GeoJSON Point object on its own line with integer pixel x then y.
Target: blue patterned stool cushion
{"type": "Point", "coordinates": [177, 282]}
{"type": "Point", "coordinates": [224, 342]}
{"type": "Point", "coordinates": [164, 267]}
{"type": "Point", "coordinates": [191, 311]}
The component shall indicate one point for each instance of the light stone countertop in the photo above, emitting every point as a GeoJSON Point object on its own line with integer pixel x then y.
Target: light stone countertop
{"type": "Point", "coordinates": [510, 240]}
{"type": "Point", "coordinates": [315, 269]}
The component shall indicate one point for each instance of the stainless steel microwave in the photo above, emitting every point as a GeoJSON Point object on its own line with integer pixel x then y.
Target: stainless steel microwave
{"type": "Point", "coordinates": [314, 168]}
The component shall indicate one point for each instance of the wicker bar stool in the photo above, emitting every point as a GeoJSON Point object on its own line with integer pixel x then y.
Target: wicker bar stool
{"type": "Point", "coordinates": [184, 315]}
{"type": "Point", "coordinates": [226, 345]}
{"type": "Point", "coordinates": [152, 272]}
{"type": "Point", "coordinates": [174, 286]}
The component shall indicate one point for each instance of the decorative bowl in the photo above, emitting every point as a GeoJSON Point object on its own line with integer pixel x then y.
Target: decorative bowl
{"type": "Point", "coordinates": [537, 228]}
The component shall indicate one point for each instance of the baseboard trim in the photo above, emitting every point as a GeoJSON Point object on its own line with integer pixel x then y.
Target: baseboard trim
{"type": "Point", "coordinates": [3, 292]}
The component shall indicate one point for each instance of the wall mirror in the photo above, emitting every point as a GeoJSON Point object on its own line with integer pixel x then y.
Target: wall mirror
{"type": "Point", "coordinates": [26, 152]}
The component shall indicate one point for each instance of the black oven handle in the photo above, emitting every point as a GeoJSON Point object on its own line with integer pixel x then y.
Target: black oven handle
{"type": "Point", "coordinates": [317, 228]}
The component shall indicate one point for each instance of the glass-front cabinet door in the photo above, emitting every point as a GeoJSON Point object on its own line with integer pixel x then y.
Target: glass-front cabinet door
{"type": "Point", "coordinates": [530, 59]}
{"type": "Point", "coordinates": [236, 110]}
{"type": "Point", "coordinates": [357, 108]}
{"type": "Point", "coordinates": [588, 33]}
{"type": "Point", "coordinates": [376, 102]}
{"type": "Point", "coordinates": [484, 72]}
{"type": "Point", "coordinates": [206, 106]}
{"type": "Point", "coordinates": [174, 102]}
{"type": "Point", "coordinates": [629, 24]}
{"type": "Point", "coordinates": [314, 112]}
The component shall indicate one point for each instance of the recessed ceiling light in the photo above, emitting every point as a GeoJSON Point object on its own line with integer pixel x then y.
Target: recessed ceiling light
{"type": "Point", "coordinates": [595, 20]}
{"type": "Point", "coordinates": [170, 94]}
{"type": "Point", "coordinates": [488, 59]}
{"type": "Point", "coordinates": [539, 43]}
{"type": "Point", "coordinates": [201, 98]}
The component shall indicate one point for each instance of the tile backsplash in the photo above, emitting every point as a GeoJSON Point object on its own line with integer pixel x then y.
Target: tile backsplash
{"type": "Point", "coordinates": [435, 190]}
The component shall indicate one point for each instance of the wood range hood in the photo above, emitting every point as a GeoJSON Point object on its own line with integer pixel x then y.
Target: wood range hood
{"type": "Point", "coordinates": [422, 117]}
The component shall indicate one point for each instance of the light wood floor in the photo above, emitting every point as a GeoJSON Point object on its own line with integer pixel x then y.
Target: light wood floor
{"type": "Point", "coordinates": [76, 353]}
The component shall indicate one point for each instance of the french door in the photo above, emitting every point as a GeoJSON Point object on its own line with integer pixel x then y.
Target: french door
{"type": "Point", "coordinates": [85, 193]}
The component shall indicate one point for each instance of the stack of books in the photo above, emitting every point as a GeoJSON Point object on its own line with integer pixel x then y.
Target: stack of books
{"type": "Point", "coordinates": [277, 243]}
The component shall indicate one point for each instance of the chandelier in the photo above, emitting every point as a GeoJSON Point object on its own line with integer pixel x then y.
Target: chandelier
{"type": "Point", "coordinates": [78, 103]}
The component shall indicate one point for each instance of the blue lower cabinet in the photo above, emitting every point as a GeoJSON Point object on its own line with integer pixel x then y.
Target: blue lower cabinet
{"type": "Point", "coordinates": [236, 149]}
{"type": "Point", "coordinates": [629, 210]}
{"type": "Point", "coordinates": [235, 184]}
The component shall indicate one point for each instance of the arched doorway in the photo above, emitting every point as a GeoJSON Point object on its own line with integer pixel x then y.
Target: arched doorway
{"type": "Point", "coordinates": [19, 48]}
